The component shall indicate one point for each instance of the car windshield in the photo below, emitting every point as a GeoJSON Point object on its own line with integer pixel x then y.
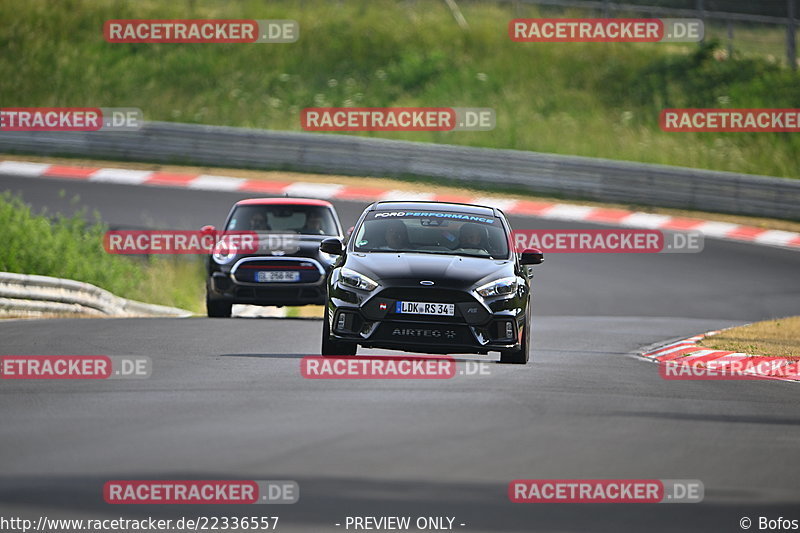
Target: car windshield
{"type": "Point", "coordinates": [299, 219]}
{"type": "Point", "coordinates": [433, 232]}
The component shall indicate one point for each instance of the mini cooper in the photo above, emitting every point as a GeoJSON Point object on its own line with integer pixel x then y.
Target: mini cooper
{"type": "Point", "coordinates": [287, 268]}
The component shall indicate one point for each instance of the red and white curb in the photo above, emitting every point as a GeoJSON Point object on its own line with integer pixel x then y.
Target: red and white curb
{"type": "Point", "coordinates": [334, 191]}
{"type": "Point", "coordinates": [687, 352]}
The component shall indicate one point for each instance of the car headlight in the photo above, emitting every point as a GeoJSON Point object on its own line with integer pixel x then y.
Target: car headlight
{"type": "Point", "coordinates": [499, 287]}
{"type": "Point", "coordinates": [223, 253]}
{"type": "Point", "coordinates": [354, 279]}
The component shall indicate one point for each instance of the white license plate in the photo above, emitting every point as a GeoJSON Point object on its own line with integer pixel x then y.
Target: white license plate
{"type": "Point", "coordinates": [277, 275]}
{"type": "Point", "coordinates": [425, 308]}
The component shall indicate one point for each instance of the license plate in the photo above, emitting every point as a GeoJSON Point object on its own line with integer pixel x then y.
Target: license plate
{"type": "Point", "coordinates": [425, 308]}
{"type": "Point", "coordinates": [277, 275]}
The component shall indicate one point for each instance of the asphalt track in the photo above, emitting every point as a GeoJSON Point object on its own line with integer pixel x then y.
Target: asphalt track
{"type": "Point", "coordinates": [226, 400]}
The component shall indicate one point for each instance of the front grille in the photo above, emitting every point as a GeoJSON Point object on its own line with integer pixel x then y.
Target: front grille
{"type": "Point", "coordinates": [267, 264]}
{"type": "Point", "coordinates": [426, 295]}
{"type": "Point", "coordinates": [422, 334]}
{"type": "Point", "coordinates": [414, 294]}
{"type": "Point", "coordinates": [246, 271]}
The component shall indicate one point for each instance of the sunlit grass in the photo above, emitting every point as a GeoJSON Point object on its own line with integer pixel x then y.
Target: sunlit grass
{"type": "Point", "coordinates": [71, 248]}
{"type": "Point", "coordinates": [778, 338]}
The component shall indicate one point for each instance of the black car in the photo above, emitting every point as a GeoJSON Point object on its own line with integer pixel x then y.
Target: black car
{"type": "Point", "coordinates": [287, 268]}
{"type": "Point", "coordinates": [429, 277]}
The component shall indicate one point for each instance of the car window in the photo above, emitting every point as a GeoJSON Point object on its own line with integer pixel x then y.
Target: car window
{"type": "Point", "coordinates": [299, 219]}
{"type": "Point", "coordinates": [432, 232]}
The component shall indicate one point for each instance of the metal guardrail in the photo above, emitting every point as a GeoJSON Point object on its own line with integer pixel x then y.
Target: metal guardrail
{"type": "Point", "coordinates": [29, 295]}
{"type": "Point", "coordinates": [601, 180]}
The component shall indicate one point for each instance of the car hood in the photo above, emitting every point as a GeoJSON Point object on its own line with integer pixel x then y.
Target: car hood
{"type": "Point", "coordinates": [451, 271]}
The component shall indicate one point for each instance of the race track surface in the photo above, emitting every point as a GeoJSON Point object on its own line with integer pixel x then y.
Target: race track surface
{"type": "Point", "coordinates": [226, 399]}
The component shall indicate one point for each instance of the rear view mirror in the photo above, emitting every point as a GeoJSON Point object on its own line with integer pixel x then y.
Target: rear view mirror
{"type": "Point", "coordinates": [531, 256]}
{"type": "Point", "coordinates": [331, 246]}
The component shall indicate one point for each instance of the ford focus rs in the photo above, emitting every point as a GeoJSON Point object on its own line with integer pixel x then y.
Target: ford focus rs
{"type": "Point", "coordinates": [288, 267]}
{"type": "Point", "coordinates": [429, 277]}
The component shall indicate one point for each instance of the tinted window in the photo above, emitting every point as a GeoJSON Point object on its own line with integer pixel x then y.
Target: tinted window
{"type": "Point", "coordinates": [300, 219]}
{"type": "Point", "coordinates": [432, 232]}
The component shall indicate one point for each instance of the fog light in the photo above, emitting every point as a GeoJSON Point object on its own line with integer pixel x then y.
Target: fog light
{"type": "Point", "coordinates": [341, 321]}
{"type": "Point", "coordinates": [503, 330]}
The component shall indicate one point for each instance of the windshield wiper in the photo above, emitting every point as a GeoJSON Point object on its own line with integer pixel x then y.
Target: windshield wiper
{"type": "Point", "coordinates": [429, 252]}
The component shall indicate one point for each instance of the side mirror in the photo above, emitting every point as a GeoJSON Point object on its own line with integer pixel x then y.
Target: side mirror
{"type": "Point", "coordinates": [331, 246]}
{"type": "Point", "coordinates": [208, 229]}
{"type": "Point", "coordinates": [531, 256]}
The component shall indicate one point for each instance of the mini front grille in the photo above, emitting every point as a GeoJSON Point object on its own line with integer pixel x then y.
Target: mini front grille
{"type": "Point", "coordinates": [247, 271]}
{"type": "Point", "coordinates": [267, 264]}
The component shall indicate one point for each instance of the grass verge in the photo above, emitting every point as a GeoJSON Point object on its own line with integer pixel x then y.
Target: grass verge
{"type": "Point", "coordinates": [71, 248]}
{"type": "Point", "coordinates": [306, 311]}
{"type": "Point", "coordinates": [775, 338]}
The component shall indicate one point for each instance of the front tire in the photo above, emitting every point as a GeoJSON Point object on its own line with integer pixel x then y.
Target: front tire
{"type": "Point", "coordinates": [521, 356]}
{"type": "Point", "coordinates": [333, 347]}
{"type": "Point", "coordinates": [217, 309]}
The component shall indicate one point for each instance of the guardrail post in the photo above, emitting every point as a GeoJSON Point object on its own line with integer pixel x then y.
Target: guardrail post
{"type": "Point", "coordinates": [791, 28]}
{"type": "Point", "coordinates": [701, 8]}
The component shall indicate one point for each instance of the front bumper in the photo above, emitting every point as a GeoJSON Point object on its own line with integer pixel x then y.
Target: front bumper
{"type": "Point", "coordinates": [476, 327]}
{"type": "Point", "coordinates": [238, 284]}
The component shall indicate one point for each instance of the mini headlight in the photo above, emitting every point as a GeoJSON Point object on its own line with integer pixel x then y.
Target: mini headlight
{"type": "Point", "coordinates": [357, 280]}
{"type": "Point", "coordinates": [500, 287]}
{"type": "Point", "coordinates": [224, 253]}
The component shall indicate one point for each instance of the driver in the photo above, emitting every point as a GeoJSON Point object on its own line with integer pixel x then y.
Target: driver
{"type": "Point", "coordinates": [472, 237]}
{"type": "Point", "coordinates": [313, 224]}
{"type": "Point", "coordinates": [258, 222]}
{"type": "Point", "coordinates": [396, 235]}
